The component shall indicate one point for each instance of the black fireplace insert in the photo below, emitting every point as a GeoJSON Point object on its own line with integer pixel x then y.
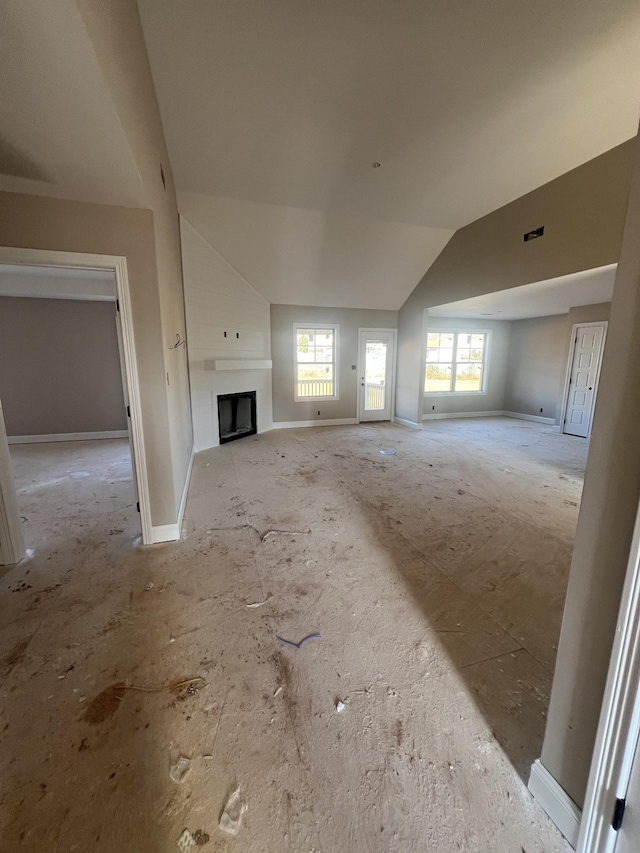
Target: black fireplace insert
{"type": "Point", "coordinates": [237, 415]}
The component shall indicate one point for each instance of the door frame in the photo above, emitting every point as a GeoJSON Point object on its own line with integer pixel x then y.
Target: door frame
{"type": "Point", "coordinates": [572, 350]}
{"type": "Point", "coordinates": [11, 540]}
{"type": "Point", "coordinates": [619, 726]}
{"type": "Point", "coordinates": [118, 265]}
{"type": "Point", "coordinates": [359, 366]}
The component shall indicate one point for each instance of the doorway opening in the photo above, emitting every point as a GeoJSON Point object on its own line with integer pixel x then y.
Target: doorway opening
{"type": "Point", "coordinates": [64, 403]}
{"type": "Point", "coordinates": [72, 448]}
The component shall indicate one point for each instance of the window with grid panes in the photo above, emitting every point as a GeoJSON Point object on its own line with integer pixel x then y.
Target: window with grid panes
{"type": "Point", "coordinates": [315, 363]}
{"type": "Point", "coordinates": [456, 362]}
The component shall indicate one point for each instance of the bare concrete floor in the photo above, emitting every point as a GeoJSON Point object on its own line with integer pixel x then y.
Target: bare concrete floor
{"type": "Point", "coordinates": [435, 577]}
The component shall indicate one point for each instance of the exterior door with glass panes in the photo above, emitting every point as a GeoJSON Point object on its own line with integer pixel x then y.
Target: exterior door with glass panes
{"type": "Point", "coordinates": [376, 373]}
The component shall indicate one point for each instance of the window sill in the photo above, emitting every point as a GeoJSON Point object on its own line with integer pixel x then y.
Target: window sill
{"type": "Point", "coordinates": [314, 399]}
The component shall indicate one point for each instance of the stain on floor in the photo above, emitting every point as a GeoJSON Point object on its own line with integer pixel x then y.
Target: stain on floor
{"type": "Point", "coordinates": [105, 704]}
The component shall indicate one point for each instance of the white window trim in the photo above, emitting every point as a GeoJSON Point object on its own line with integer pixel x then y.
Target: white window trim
{"type": "Point", "coordinates": [336, 361]}
{"type": "Point", "coordinates": [485, 361]}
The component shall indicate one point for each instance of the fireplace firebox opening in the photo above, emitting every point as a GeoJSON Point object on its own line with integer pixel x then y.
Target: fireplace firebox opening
{"type": "Point", "coordinates": [237, 415]}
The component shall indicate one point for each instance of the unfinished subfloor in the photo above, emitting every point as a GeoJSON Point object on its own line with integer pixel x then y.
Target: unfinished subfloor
{"type": "Point", "coordinates": [435, 578]}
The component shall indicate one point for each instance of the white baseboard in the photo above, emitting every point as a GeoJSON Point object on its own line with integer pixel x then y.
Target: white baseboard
{"type": "Point", "coordinates": [67, 436]}
{"type": "Point", "coordinates": [557, 429]}
{"type": "Point", "coordinates": [185, 491]}
{"type": "Point", "coordinates": [441, 416]}
{"type": "Point", "coordinates": [537, 418]}
{"type": "Point", "coordinates": [164, 533]}
{"type": "Point", "coordinates": [435, 416]}
{"type": "Point", "coordinates": [326, 422]}
{"type": "Point", "coordinates": [405, 422]}
{"type": "Point", "coordinates": [555, 801]}
{"type": "Point", "coordinates": [173, 532]}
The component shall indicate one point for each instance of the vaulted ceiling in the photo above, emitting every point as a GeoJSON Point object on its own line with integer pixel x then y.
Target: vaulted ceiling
{"type": "Point", "coordinates": [60, 134]}
{"type": "Point", "coordinates": [274, 114]}
{"type": "Point", "coordinates": [285, 106]}
{"type": "Point", "coordinates": [465, 105]}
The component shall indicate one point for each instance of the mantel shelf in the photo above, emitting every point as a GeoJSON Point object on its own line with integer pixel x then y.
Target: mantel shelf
{"type": "Point", "coordinates": [242, 364]}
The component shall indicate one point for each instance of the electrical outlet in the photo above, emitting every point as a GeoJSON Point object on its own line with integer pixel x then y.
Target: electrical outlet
{"type": "Point", "coordinates": [318, 411]}
{"type": "Point", "coordinates": [433, 408]}
{"type": "Point", "coordinates": [541, 411]}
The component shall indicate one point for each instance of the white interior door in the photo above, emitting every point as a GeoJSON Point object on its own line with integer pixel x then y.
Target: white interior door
{"type": "Point", "coordinates": [376, 361]}
{"type": "Point", "coordinates": [583, 379]}
{"type": "Point", "coordinates": [628, 840]}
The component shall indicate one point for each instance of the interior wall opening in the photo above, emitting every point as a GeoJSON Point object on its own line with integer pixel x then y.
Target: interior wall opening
{"type": "Point", "coordinates": [64, 398]}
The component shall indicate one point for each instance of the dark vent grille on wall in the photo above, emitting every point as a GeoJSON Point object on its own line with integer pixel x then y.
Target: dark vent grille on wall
{"type": "Point", "coordinates": [236, 415]}
{"type": "Point", "coordinates": [533, 235]}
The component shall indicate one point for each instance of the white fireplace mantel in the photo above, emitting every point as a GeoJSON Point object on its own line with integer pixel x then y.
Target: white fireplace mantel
{"type": "Point", "coordinates": [238, 364]}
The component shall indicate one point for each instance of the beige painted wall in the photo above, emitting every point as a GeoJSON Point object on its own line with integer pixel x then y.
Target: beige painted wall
{"type": "Point", "coordinates": [46, 223]}
{"type": "Point", "coordinates": [583, 214]}
{"type": "Point", "coordinates": [605, 525]}
{"type": "Point", "coordinates": [59, 367]}
{"type": "Point", "coordinates": [536, 365]}
{"type": "Point", "coordinates": [116, 33]}
{"type": "Point", "coordinates": [537, 360]}
{"type": "Point", "coordinates": [350, 319]}
{"type": "Point", "coordinates": [492, 399]}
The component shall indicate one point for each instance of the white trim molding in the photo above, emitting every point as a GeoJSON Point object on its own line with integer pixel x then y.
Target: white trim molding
{"type": "Point", "coordinates": [185, 492]}
{"type": "Point", "coordinates": [498, 413]}
{"type": "Point", "coordinates": [326, 422]}
{"type": "Point", "coordinates": [555, 801]}
{"type": "Point", "coordinates": [441, 416]}
{"type": "Point", "coordinates": [11, 539]}
{"type": "Point", "coordinates": [536, 418]}
{"type": "Point", "coordinates": [404, 422]}
{"type": "Point", "coordinates": [68, 436]}
{"type": "Point", "coordinates": [619, 727]}
{"type": "Point", "coordinates": [163, 533]}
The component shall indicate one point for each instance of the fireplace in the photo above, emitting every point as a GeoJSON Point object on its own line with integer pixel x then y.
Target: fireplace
{"type": "Point", "coordinates": [236, 415]}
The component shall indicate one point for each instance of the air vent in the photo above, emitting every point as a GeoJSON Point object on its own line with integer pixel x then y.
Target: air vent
{"type": "Point", "coordinates": [532, 235]}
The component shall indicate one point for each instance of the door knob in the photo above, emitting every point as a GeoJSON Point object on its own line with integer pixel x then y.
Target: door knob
{"type": "Point", "coordinates": [590, 388]}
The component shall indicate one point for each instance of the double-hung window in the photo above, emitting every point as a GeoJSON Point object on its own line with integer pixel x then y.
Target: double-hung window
{"type": "Point", "coordinates": [456, 362]}
{"type": "Point", "coordinates": [315, 362]}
